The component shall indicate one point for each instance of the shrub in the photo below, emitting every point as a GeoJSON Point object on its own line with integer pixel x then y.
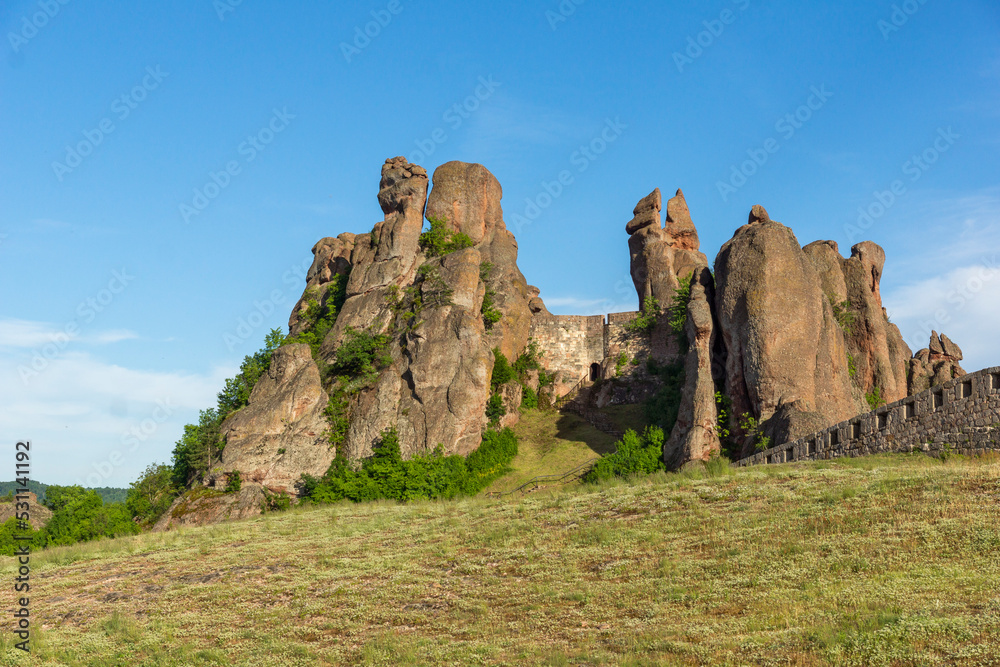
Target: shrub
{"type": "Point", "coordinates": [620, 362]}
{"type": "Point", "coordinates": [320, 318]}
{"type": "Point", "coordinates": [677, 311]}
{"type": "Point", "coordinates": [234, 482]}
{"type": "Point", "coordinates": [361, 355]}
{"type": "Point", "coordinates": [434, 291]}
{"type": "Point", "coordinates": [495, 409]}
{"type": "Point", "coordinates": [529, 399]}
{"type": "Point", "coordinates": [427, 476]}
{"type": "Point", "coordinates": [491, 314]}
{"type": "Point", "coordinates": [646, 319]}
{"type": "Point", "coordinates": [529, 360]}
{"type": "Point", "coordinates": [750, 426]}
{"type": "Point", "coordinates": [874, 398]}
{"type": "Point", "coordinates": [843, 314]}
{"type": "Point", "coordinates": [502, 370]}
{"type": "Point", "coordinates": [439, 240]}
{"type": "Point", "coordinates": [633, 454]}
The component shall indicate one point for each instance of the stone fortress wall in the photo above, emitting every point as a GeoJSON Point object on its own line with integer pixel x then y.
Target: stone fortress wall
{"type": "Point", "coordinates": [961, 416]}
{"type": "Point", "coordinates": [572, 344]}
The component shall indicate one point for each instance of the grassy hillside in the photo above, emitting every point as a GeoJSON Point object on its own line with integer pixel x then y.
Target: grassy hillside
{"type": "Point", "coordinates": [878, 561]}
{"type": "Point", "coordinates": [551, 443]}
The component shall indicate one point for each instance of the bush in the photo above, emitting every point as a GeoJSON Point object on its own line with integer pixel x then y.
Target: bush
{"type": "Point", "coordinates": [647, 317]}
{"type": "Point", "coordinates": [362, 354]}
{"type": "Point", "coordinates": [491, 314]}
{"type": "Point", "coordinates": [677, 312]}
{"type": "Point", "coordinates": [439, 240]}
{"type": "Point", "coordinates": [320, 318]}
{"type": "Point", "coordinates": [495, 409]}
{"type": "Point", "coordinates": [633, 454]}
{"type": "Point", "coordinates": [502, 370]}
{"type": "Point", "coordinates": [529, 399]}
{"type": "Point", "coordinates": [428, 476]}
{"type": "Point", "coordinates": [234, 482]}
{"type": "Point", "coordinates": [874, 398]}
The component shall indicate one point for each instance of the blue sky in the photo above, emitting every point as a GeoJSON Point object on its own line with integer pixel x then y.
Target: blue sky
{"type": "Point", "coordinates": [126, 307]}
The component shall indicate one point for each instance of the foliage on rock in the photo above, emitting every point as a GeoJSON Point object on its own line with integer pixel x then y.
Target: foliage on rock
{"type": "Point", "coordinates": [427, 476]}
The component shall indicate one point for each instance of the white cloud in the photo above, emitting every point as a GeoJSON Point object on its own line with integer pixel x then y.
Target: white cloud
{"type": "Point", "coordinates": [29, 334]}
{"type": "Point", "coordinates": [963, 303]}
{"type": "Point", "coordinates": [79, 410]}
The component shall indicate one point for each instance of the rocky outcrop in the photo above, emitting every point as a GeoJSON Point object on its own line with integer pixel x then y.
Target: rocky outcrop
{"type": "Point", "coordinates": [878, 355]}
{"type": "Point", "coordinates": [467, 196]}
{"type": "Point", "coordinates": [203, 506]}
{"type": "Point", "coordinates": [434, 381]}
{"type": "Point", "coordinates": [935, 364]}
{"type": "Point", "coordinates": [661, 255]}
{"type": "Point", "coordinates": [331, 260]}
{"type": "Point", "coordinates": [783, 344]}
{"type": "Point", "coordinates": [281, 434]}
{"type": "Point", "coordinates": [694, 436]}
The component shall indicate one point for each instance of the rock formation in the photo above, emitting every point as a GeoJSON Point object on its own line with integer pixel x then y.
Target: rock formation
{"type": "Point", "coordinates": [694, 436]}
{"type": "Point", "coordinates": [935, 364]}
{"type": "Point", "coordinates": [661, 255]}
{"type": "Point", "coordinates": [786, 353]}
{"type": "Point", "coordinates": [434, 388]}
{"type": "Point", "coordinates": [797, 338]}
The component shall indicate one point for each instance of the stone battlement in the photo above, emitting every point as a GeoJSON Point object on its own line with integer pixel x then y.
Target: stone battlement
{"type": "Point", "coordinates": [961, 416]}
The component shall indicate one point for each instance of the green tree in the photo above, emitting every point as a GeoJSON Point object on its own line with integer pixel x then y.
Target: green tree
{"type": "Point", "coordinates": [150, 495]}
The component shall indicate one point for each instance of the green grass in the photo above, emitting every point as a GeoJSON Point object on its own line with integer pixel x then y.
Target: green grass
{"type": "Point", "coordinates": [889, 560]}
{"type": "Point", "coordinates": [551, 443]}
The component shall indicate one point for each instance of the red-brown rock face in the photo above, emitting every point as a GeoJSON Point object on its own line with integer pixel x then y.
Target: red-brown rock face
{"type": "Point", "coordinates": [785, 350]}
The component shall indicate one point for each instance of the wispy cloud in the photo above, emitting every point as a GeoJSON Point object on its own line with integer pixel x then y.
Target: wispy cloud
{"type": "Point", "coordinates": [15, 333]}
{"type": "Point", "coordinates": [82, 409]}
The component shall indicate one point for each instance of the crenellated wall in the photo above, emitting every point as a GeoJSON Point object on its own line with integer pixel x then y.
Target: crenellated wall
{"type": "Point", "coordinates": [962, 416]}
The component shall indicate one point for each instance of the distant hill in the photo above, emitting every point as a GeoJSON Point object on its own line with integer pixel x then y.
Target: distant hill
{"type": "Point", "coordinates": [108, 493]}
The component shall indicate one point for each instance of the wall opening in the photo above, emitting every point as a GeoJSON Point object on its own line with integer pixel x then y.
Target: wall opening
{"type": "Point", "coordinates": [855, 430]}
{"type": "Point", "coordinates": [834, 438]}
{"type": "Point", "coordinates": [995, 382]}
{"type": "Point", "coordinates": [812, 447]}
{"type": "Point", "coordinates": [595, 372]}
{"type": "Point", "coordinates": [966, 390]}
{"type": "Point", "coordinates": [909, 410]}
{"type": "Point", "coordinates": [937, 399]}
{"type": "Point", "coordinates": [883, 420]}
{"type": "Point", "coordinates": [789, 455]}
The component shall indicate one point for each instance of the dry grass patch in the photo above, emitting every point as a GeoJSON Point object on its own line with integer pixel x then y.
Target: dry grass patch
{"type": "Point", "coordinates": [882, 561]}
